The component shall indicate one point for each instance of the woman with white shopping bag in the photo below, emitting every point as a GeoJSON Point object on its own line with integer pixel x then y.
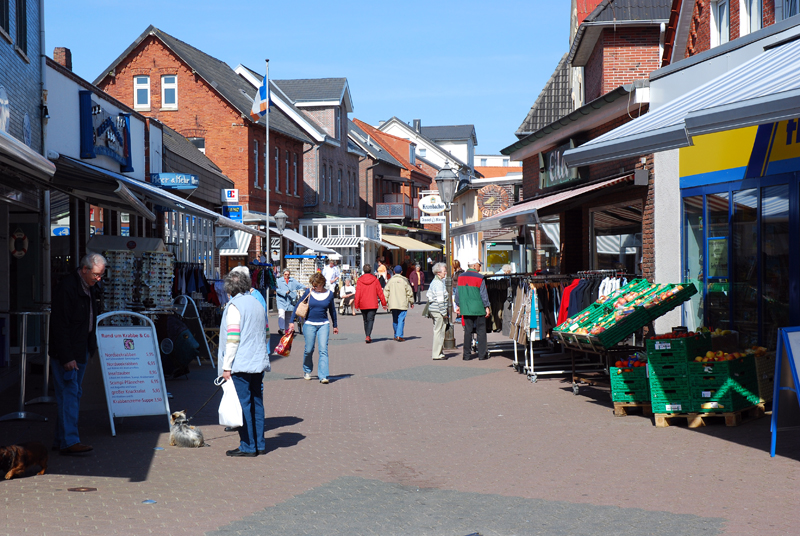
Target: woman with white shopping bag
{"type": "Point", "coordinates": [244, 354]}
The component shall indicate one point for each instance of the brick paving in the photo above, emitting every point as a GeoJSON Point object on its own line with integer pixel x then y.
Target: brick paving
{"type": "Point", "coordinates": [400, 444]}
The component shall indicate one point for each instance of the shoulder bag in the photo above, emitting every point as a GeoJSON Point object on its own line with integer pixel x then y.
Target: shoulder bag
{"type": "Point", "coordinates": [302, 308]}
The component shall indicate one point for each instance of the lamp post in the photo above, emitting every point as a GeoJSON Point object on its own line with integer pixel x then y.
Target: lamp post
{"type": "Point", "coordinates": [446, 181]}
{"type": "Point", "coordinates": [280, 223]}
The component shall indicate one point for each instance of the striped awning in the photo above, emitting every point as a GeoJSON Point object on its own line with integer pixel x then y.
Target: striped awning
{"type": "Point", "coordinates": [241, 240]}
{"type": "Point", "coordinates": [339, 241]}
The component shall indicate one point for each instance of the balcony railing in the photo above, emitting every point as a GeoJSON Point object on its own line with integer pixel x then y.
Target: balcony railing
{"type": "Point", "coordinates": [393, 210]}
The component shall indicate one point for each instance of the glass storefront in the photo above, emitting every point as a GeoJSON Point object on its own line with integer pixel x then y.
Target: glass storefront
{"type": "Point", "coordinates": [737, 241]}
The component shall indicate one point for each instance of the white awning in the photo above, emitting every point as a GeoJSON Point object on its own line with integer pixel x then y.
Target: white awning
{"type": "Point", "coordinates": [762, 90]}
{"type": "Point", "coordinates": [301, 240]}
{"type": "Point", "coordinates": [242, 241]}
{"type": "Point", "coordinates": [340, 242]}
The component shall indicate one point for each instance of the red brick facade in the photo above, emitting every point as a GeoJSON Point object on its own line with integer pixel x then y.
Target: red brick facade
{"type": "Point", "coordinates": [202, 112]}
{"type": "Point", "coordinates": [700, 29]}
{"type": "Point", "coordinates": [621, 56]}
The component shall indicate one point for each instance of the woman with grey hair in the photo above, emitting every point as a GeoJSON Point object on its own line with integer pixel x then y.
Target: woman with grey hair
{"type": "Point", "coordinates": [244, 356]}
{"type": "Point", "coordinates": [437, 307]}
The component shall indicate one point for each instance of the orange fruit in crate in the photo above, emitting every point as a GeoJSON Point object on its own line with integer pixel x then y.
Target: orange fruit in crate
{"type": "Point", "coordinates": [618, 364]}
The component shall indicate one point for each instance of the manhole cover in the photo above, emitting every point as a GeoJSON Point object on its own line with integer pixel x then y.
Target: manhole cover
{"type": "Point", "coordinates": [82, 490]}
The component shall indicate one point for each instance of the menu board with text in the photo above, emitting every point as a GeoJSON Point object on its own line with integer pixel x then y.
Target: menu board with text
{"type": "Point", "coordinates": [132, 373]}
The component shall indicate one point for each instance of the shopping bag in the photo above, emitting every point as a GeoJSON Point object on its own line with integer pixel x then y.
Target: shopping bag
{"type": "Point", "coordinates": [285, 345]}
{"type": "Point", "coordinates": [426, 312]}
{"type": "Point", "coordinates": [230, 409]}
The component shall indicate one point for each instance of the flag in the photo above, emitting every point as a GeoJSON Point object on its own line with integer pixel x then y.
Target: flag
{"type": "Point", "coordinates": [260, 101]}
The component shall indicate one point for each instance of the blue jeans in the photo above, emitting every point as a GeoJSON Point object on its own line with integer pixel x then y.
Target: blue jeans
{"type": "Point", "coordinates": [68, 400]}
{"type": "Point", "coordinates": [311, 334]}
{"type": "Point", "coordinates": [398, 322]}
{"type": "Point", "coordinates": [250, 389]}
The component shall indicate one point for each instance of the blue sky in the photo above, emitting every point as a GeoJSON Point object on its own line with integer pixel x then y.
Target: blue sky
{"type": "Point", "coordinates": [444, 62]}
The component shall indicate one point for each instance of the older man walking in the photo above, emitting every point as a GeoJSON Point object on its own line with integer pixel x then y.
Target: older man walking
{"type": "Point", "coordinates": [472, 302]}
{"type": "Point", "coordinates": [437, 307]}
{"type": "Point", "coordinates": [399, 297]}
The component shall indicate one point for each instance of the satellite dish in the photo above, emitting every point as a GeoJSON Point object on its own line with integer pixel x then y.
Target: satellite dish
{"type": "Point", "coordinates": [167, 346]}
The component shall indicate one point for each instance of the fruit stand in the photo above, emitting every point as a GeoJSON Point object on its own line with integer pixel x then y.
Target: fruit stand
{"type": "Point", "coordinates": [601, 327]}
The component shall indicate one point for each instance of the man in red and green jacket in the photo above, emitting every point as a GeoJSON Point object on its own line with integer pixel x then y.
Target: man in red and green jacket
{"type": "Point", "coordinates": [472, 303]}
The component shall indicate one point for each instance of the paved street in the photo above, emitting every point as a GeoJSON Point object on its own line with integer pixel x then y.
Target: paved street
{"type": "Point", "coordinates": [398, 444]}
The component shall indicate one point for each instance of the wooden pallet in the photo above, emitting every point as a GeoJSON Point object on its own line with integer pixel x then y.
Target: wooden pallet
{"type": "Point", "coordinates": [696, 420]}
{"type": "Point", "coordinates": [621, 409]}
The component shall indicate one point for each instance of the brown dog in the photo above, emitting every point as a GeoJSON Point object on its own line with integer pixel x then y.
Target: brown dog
{"type": "Point", "coordinates": [16, 459]}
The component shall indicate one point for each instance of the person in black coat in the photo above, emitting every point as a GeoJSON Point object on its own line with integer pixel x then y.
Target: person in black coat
{"type": "Point", "coordinates": [76, 305]}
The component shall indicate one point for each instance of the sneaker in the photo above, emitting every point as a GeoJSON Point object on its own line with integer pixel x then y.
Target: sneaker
{"type": "Point", "coordinates": [439, 358]}
{"type": "Point", "coordinates": [324, 380]}
{"type": "Point", "coordinates": [307, 376]}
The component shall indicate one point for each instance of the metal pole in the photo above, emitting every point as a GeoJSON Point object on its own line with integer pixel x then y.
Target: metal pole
{"type": "Point", "coordinates": [23, 365]}
{"type": "Point", "coordinates": [449, 335]}
{"type": "Point", "coordinates": [266, 168]}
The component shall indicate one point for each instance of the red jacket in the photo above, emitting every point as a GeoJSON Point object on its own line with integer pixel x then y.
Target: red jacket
{"type": "Point", "coordinates": [368, 292]}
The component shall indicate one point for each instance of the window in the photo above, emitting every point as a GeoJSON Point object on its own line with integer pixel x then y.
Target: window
{"type": "Point", "coordinates": [423, 152]}
{"type": "Point", "coordinates": [277, 169]}
{"type": "Point", "coordinates": [483, 161]}
{"type": "Point", "coordinates": [322, 184]}
{"type": "Point", "coordinates": [286, 167]}
{"type": "Point", "coordinates": [720, 23]}
{"type": "Point", "coordinates": [505, 163]}
{"type": "Point", "coordinates": [4, 22]}
{"type": "Point", "coordinates": [22, 26]}
{"type": "Point", "coordinates": [330, 184]}
{"type": "Point", "coordinates": [124, 217]}
{"type": "Point", "coordinates": [200, 143]}
{"type": "Point", "coordinates": [169, 92]}
{"type": "Point", "coordinates": [790, 8]}
{"type": "Point", "coordinates": [255, 166]}
{"type": "Point", "coordinates": [750, 19]}
{"type": "Point", "coordinates": [412, 155]}
{"type": "Point", "coordinates": [339, 188]}
{"type": "Point", "coordinates": [294, 170]}
{"type": "Point", "coordinates": [141, 92]}
{"type": "Point", "coordinates": [338, 123]}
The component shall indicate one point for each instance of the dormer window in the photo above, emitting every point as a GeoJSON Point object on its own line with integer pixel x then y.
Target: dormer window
{"type": "Point", "coordinates": [412, 154]}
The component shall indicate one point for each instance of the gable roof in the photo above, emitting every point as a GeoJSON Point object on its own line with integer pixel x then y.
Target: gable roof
{"type": "Point", "coordinates": [317, 91]}
{"type": "Point", "coordinates": [446, 154]}
{"type": "Point", "coordinates": [451, 133]}
{"type": "Point", "coordinates": [554, 102]}
{"type": "Point", "coordinates": [218, 74]}
{"type": "Point", "coordinates": [398, 147]}
{"type": "Point", "coordinates": [371, 145]}
{"type": "Point", "coordinates": [177, 144]}
{"type": "Point", "coordinates": [615, 14]}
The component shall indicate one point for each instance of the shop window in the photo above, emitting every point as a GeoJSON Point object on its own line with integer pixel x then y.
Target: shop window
{"type": "Point", "coordinates": [744, 272]}
{"type": "Point", "coordinates": [775, 273]}
{"type": "Point", "coordinates": [717, 266]}
{"type": "Point", "coordinates": [169, 92]}
{"type": "Point", "coordinates": [22, 26]}
{"type": "Point", "coordinates": [693, 257]}
{"type": "Point", "coordinates": [141, 92]}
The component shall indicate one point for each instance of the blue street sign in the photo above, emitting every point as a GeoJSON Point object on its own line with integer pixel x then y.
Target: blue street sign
{"type": "Point", "coordinates": [60, 231]}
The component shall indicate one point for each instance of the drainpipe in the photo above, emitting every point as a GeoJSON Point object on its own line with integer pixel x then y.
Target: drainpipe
{"type": "Point", "coordinates": [661, 44]}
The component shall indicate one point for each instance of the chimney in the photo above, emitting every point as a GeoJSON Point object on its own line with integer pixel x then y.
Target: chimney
{"type": "Point", "coordinates": [63, 56]}
{"type": "Point", "coordinates": [417, 125]}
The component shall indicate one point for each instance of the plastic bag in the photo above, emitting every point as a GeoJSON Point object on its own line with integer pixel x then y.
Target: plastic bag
{"type": "Point", "coordinates": [285, 346]}
{"type": "Point", "coordinates": [230, 409]}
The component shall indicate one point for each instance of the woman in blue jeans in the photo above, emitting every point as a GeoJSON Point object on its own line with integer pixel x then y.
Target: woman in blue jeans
{"type": "Point", "coordinates": [317, 326]}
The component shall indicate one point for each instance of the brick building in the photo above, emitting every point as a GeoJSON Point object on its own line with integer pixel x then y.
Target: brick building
{"type": "Point", "coordinates": [206, 101]}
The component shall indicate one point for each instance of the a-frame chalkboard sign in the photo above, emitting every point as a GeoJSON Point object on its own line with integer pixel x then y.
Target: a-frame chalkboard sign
{"type": "Point", "coordinates": [789, 342]}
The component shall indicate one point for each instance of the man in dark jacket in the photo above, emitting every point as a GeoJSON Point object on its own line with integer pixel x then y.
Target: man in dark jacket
{"type": "Point", "coordinates": [368, 293]}
{"type": "Point", "coordinates": [472, 303]}
{"type": "Point", "coordinates": [76, 305]}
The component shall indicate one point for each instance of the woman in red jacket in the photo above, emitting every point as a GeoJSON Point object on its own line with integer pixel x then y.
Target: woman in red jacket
{"type": "Point", "coordinates": [368, 293]}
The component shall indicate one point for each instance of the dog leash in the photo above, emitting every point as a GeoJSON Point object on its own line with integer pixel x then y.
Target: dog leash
{"type": "Point", "coordinates": [207, 401]}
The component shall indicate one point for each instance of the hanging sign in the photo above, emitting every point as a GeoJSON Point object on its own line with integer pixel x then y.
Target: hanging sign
{"type": "Point", "coordinates": [785, 381]}
{"type": "Point", "coordinates": [230, 195]}
{"type": "Point", "coordinates": [175, 181]}
{"type": "Point", "coordinates": [432, 219]}
{"type": "Point", "coordinates": [132, 372]}
{"type": "Point", "coordinates": [553, 171]}
{"type": "Point", "coordinates": [233, 212]}
{"type": "Point", "coordinates": [104, 132]}
{"type": "Point", "coordinates": [431, 204]}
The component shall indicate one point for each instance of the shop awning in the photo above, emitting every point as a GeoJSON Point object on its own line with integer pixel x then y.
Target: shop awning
{"type": "Point", "coordinates": [20, 164]}
{"type": "Point", "coordinates": [387, 245]}
{"type": "Point", "coordinates": [242, 240]}
{"type": "Point", "coordinates": [339, 242]}
{"type": "Point", "coordinates": [301, 240]}
{"type": "Point", "coordinates": [105, 188]}
{"type": "Point", "coordinates": [409, 244]}
{"type": "Point", "coordinates": [526, 213]}
{"type": "Point", "coordinates": [762, 90]}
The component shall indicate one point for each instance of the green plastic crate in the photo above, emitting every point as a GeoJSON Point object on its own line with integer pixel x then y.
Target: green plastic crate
{"type": "Point", "coordinates": [742, 365]}
{"type": "Point", "coordinates": [681, 296]}
{"type": "Point", "coordinates": [671, 370]}
{"type": "Point", "coordinates": [632, 395]}
{"type": "Point", "coordinates": [669, 384]}
{"type": "Point", "coordinates": [720, 401]}
{"type": "Point", "coordinates": [671, 406]}
{"type": "Point", "coordinates": [718, 381]}
{"type": "Point", "coordinates": [678, 350]}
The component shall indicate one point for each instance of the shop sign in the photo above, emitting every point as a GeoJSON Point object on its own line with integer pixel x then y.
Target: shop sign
{"type": "Point", "coordinates": [60, 231]}
{"type": "Point", "coordinates": [104, 133]}
{"type": "Point", "coordinates": [432, 219]}
{"type": "Point", "coordinates": [431, 204]}
{"type": "Point", "coordinates": [175, 181]}
{"type": "Point", "coordinates": [230, 195]}
{"type": "Point", "coordinates": [233, 212]}
{"type": "Point", "coordinates": [553, 171]}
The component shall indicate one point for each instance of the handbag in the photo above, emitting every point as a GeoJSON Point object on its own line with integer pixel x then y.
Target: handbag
{"type": "Point", "coordinates": [426, 311]}
{"type": "Point", "coordinates": [302, 308]}
{"type": "Point", "coordinates": [230, 409]}
{"type": "Point", "coordinates": [285, 345]}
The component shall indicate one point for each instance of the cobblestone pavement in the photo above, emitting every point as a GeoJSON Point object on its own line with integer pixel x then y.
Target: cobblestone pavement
{"type": "Point", "coordinates": [400, 444]}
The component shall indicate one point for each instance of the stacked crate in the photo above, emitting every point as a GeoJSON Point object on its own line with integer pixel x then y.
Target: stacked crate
{"type": "Point", "coordinates": [668, 369]}
{"type": "Point", "coordinates": [723, 386]}
{"type": "Point", "coordinates": [630, 384]}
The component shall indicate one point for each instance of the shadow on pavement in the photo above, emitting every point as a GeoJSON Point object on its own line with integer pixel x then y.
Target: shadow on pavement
{"type": "Point", "coordinates": [271, 423]}
{"type": "Point", "coordinates": [283, 440]}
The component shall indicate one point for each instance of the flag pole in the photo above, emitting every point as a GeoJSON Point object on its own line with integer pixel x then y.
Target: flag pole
{"type": "Point", "coordinates": [266, 166]}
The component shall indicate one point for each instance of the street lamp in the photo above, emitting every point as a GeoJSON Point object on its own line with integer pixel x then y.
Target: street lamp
{"type": "Point", "coordinates": [280, 223]}
{"type": "Point", "coordinates": [446, 181]}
